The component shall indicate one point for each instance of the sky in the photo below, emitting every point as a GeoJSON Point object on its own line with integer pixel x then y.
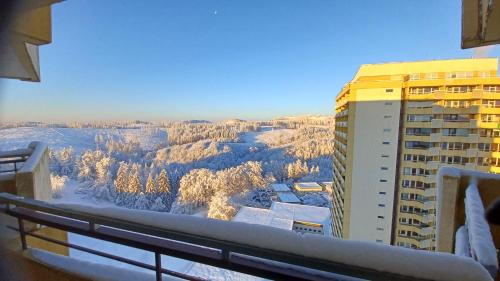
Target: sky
{"type": "Point", "coordinates": [187, 59]}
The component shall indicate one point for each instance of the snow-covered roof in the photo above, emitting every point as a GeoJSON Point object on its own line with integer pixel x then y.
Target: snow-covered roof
{"type": "Point", "coordinates": [263, 217]}
{"type": "Point", "coordinates": [280, 187]}
{"type": "Point", "coordinates": [308, 186]}
{"type": "Point", "coordinates": [288, 197]}
{"type": "Point", "coordinates": [283, 215]}
{"type": "Point", "coordinates": [303, 213]}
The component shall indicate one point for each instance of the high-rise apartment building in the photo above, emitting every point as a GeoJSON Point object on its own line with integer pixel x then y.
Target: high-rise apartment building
{"type": "Point", "coordinates": [396, 124]}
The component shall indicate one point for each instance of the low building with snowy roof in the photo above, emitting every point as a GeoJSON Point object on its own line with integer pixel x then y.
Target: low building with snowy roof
{"type": "Point", "coordinates": [308, 187]}
{"type": "Point", "coordinates": [280, 187]}
{"type": "Point", "coordinates": [299, 218]}
{"type": "Point", "coordinates": [288, 197]}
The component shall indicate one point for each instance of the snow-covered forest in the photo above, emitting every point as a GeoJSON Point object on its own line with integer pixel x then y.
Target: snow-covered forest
{"type": "Point", "coordinates": [190, 167]}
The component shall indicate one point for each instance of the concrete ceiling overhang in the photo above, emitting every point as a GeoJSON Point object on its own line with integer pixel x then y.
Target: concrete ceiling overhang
{"type": "Point", "coordinates": [27, 27]}
{"type": "Point", "coordinates": [480, 23]}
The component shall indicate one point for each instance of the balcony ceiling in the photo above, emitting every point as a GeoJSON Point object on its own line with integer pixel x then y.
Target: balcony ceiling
{"type": "Point", "coordinates": [480, 23]}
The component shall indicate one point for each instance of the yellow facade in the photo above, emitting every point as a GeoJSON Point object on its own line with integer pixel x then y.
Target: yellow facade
{"type": "Point", "coordinates": [450, 116]}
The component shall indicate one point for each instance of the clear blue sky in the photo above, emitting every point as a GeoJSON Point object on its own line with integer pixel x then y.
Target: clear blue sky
{"type": "Point", "coordinates": [158, 60]}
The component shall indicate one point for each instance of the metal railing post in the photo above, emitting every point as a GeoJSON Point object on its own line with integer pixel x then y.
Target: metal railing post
{"type": "Point", "coordinates": [158, 266]}
{"type": "Point", "coordinates": [22, 233]}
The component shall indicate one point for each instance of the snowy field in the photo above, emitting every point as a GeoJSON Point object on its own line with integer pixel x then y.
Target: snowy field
{"type": "Point", "coordinates": [269, 136]}
{"type": "Point", "coordinates": [78, 138]}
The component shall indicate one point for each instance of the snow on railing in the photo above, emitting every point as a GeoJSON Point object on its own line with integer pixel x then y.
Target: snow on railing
{"type": "Point", "coordinates": [481, 241]}
{"type": "Point", "coordinates": [460, 214]}
{"type": "Point", "coordinates": [364, 255]}
{"type": "Point", "coordinates": [462, 247]}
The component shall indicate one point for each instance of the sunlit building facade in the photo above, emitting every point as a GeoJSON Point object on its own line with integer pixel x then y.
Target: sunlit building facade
{"type": "Point", "coordinates": [396, 124]}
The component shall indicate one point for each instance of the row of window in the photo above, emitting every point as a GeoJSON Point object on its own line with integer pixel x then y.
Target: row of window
{"type": "Point", "coordinates": [454, 104]}
{"type": "Point", "coordinates": [490, 118]}
{"type": "Point", "coordinates": [410, 221]}
{"type": "Point", "coordinates": [418, 145]}
{"type": "Point", "coordinates": [410, 209]}
{"type": "Point", "coordinates": [417, 158]}
{"type": "Point", "coordinates": [488, 161]}
{"type": "Point", "coordinates": [416, 171]}
{"type": "Point", "coordinates": [487, 147]}
{"type": "Point", "coordinates": [455, 145]}
{"type": "Point", "coordinates": [457, 160]}
{"type": "Point", "coordinates": [415, 184]}
{"type": "Point", "coordinates": [412, 196]}
{"type": "Point", "coordinates": [449, 75]}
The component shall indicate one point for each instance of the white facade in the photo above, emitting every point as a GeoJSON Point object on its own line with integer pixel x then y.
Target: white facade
{"type": "Point", "coordinates": [375, 154]}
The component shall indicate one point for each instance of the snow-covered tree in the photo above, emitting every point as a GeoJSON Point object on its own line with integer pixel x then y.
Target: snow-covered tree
{"type": "Point", "coordinates": [142, 202]}
{"type": "Point", "coordinates": [220, 207]}
{"type": "Point", "coordinates": [134, 180]}
{"type": "Point", "coordinates": [162, 182]}
{"type": "Point", "coordinates": [121, 181]}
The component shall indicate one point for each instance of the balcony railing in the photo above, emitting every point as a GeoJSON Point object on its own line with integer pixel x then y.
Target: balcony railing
{"type": "Point", "coordinates": [252, 249]}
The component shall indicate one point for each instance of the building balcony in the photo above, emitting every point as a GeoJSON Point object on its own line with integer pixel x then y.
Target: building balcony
{"type": "Point", "coordinates": [428, 218]}
{"type": "Point", "coordinates": [461, 224]}
{"type": "Point", "coordinates": [471, 152]}
{"type": "Point", "coordinates": [433, 165]}
{"type": "Point", "coordinates": [433, 151]}
{"type": "Point", "coordinates": [26, 172]}
{"type": "Point", "coordinates": [473, 138]}
{"type": "Point", "coordinates": [436, 137]}
{"type": "Point", "coordinates": [437, 109]}
{"type": "Point", "coordinates": [436, 123]}
{"type": "Point", "coordinates": [430, 192]}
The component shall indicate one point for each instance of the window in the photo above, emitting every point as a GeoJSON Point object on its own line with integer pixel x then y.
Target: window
{"type": "Point", "coordinates": [382, 193]}
{"type": "Point", "coordinates": [415, 76]}
{"type": "Point", "coordinates": [381, 205]}
{"type": "Point", "coordinates": [457, 103]}
{"type": "Point", "coordinates": [389, 90]}
{"type": "Point", "coordinates": [418, 145]}
{"type": "Point", "coordinates": [455, 146]}
{"type": "Point", "coordinates": [455, 132]}
{"type": "Point", "coordinates": [491, 103]}
{"type": "Point", "coordinates": [490, 118]}
{"type": "Point", "coordinates": [388, 103]}
{"type": "Point", "coordinates": [484, 74]}
{"type": "Point", "coordinates": [385, 156]}
{"type": "Point", "coordinates": [387, 130]}
{"type": "Point", "coordinates": [431, 76]}
{"type": "Point", "coordinates": [420, 104]}
{"type": "Point", "coordinates": [385, 142]}
{"type": "Point", "coordinates": [487, 147]}
{"type": "Point", "coordinates": [456, 117]}
{"type": "Point", "coordinates": [380, 217]}
{"type": "Point", "coordinates": [379, 241]}
{"type": "Point", "coordinates": [492, 89]}
{"type": "Point", "coordinates": [419, 131]}
{"type": "Point", "coordinates": [380, 229]}
{"type": "Point", "coordinates": [459, 89]}
{"type": "Point", "coordinates": [384, 168]}
{"type": "Point", "coordinates": [383, 180]}
{"type": "Point", "coordinates": [387, 116]}
{"type": "Point", "coordinates": [488, 161]}
{"type": "Point", "coordinates": [454, 160]}
{"type": "Point", "coordinates": [423, 90]}
{"type": "Point", "coordinates": [489, 133]}
{"type": "Point", "coordinates": [459, 75]}
{"type": "Point", "coordinates": [419, 118]}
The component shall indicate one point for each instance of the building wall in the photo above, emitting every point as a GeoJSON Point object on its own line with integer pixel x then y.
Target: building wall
{"type": "Point", "coordinates": [376, 128]}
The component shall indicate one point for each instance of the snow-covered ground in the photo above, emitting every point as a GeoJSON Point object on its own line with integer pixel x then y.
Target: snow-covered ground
{"type": "Point", "coordinates": [78, 138]}
{"type": "Point", "coordinates": [269, 137]}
